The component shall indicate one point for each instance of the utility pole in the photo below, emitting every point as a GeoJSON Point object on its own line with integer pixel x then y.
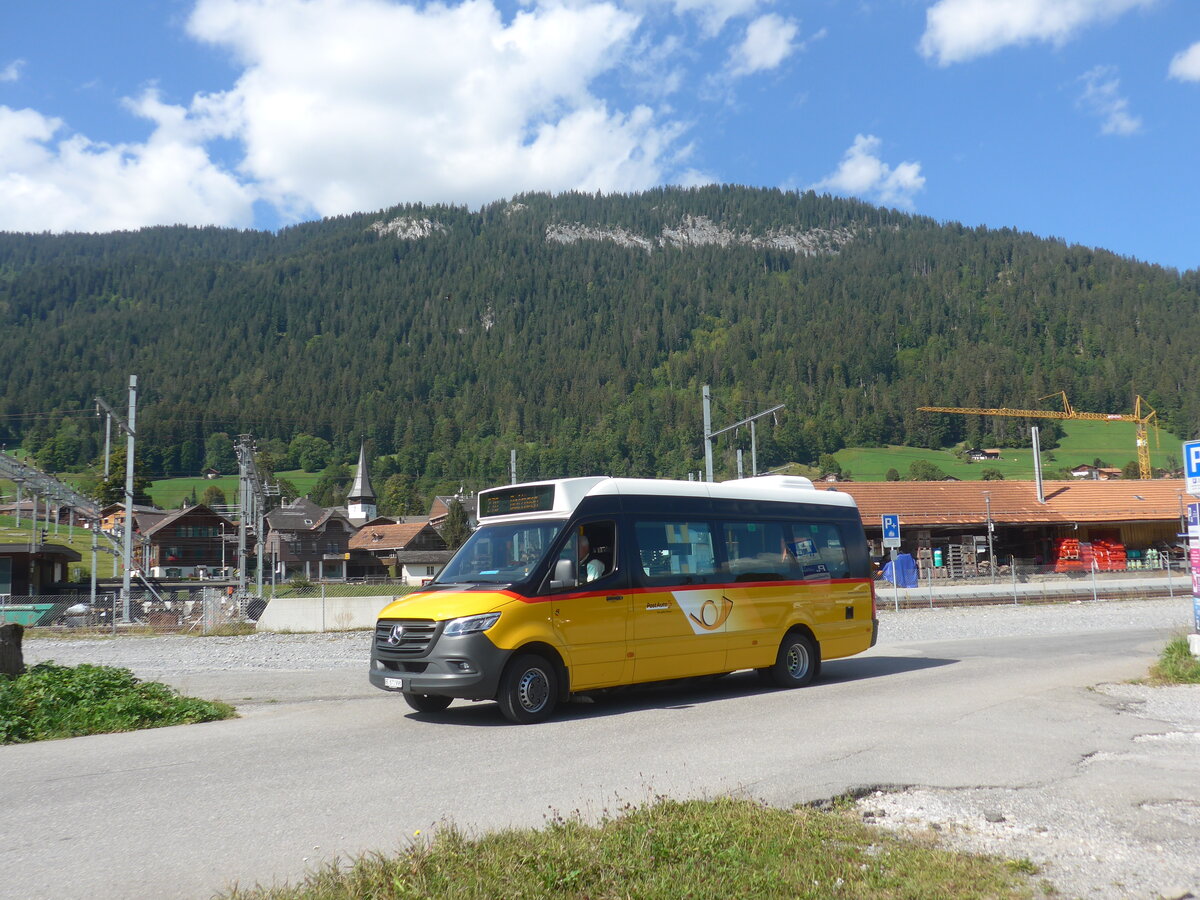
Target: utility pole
{"type": "Point", "coordinates": [242, 511]}
{"type": "Point", "coordinates": [709, 434]}
{"type": "Point", "coordinates": [127, 548]}
{"type": "Point", "coordinates": [252, 500]}
{"type": "Point", "coordinates": [130, 434]}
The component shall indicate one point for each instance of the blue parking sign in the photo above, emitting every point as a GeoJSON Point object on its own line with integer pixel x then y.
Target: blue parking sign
{"type": "Point", "coordinates": [1191, 466]}
{"type": "Point", "coordinates": [891, 530]}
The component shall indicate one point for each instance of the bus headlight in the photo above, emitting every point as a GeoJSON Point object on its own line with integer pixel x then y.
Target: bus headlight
{"type": "Point", "coordinates": [471, 624]}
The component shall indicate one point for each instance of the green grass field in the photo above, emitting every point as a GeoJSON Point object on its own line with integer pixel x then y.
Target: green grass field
{"type": "Point", "coordinates": [1083, 443]}
{"type": "Point", "coordinates": [168, 493]}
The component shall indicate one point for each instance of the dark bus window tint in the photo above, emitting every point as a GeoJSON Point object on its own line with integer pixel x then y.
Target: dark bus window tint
{"type": "Point", "coordinates": [676, 551]}
{"type": "Point", "coordinates": [819, 551]}
{"type": "Point", "coordinates": [759, 551]}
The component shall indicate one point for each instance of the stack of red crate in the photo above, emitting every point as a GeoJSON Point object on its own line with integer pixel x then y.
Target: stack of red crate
{"type": "Point", "coordinates": [1110, 556]}
{"type": "Point", "coordinates": [1068, 556]}
{"type": "Point", "coordinates": [1074, 555]}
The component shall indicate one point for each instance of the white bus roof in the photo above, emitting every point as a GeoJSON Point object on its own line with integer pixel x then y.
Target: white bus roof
{"type": "Point", "coordinates": [567, 493]}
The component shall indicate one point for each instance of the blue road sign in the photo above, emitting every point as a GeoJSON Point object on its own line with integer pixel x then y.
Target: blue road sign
{"type": "Point", "coordinates": [891, 530]}
{"type": "Point", "coordinates": [1191, 466]}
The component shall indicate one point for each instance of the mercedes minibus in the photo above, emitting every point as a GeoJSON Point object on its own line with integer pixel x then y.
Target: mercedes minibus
{"type": "Point", "coordinates": [583, 584]}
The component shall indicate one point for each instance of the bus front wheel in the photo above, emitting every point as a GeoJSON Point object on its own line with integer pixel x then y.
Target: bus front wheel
{"type": "Point", "coordinates": [528, 690]}
{"type": "Point", "coordinates": [796, 663]}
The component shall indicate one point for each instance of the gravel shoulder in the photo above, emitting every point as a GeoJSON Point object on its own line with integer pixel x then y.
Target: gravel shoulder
{"type": "Point", "coordinates": [1095, 835]}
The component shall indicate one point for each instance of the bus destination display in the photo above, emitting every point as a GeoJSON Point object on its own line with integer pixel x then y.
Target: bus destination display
{"type": "Point", "coordinates": [508, 501]}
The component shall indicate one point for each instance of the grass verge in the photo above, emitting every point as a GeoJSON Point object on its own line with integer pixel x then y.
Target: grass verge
{"type": "Point", "coordinates": [51, 701]}
{"type": "Point", "coordinates": [1176, 665]}
{"type": "Point", "coordinates": [701, 849]}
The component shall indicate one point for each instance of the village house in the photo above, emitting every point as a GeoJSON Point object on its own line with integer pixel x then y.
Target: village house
{"type": "Point", "coordinates": [308, 541]}
{"type": "Point", "coordinates": [1096, 473]}
{"type": "Point", "coordinates": [410, 552]}
{"type": "Point", "coordinates": [112, 517]}
{"type": "Point", "coordinates": [189, 543]}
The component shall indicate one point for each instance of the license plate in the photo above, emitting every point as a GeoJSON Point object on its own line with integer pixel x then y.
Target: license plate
{"type": "Point", "coordinates": [396, 683]}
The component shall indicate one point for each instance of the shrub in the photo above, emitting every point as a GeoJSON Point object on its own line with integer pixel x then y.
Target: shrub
{"type": "Point", "coordinates": [1176, 665]}
{"type": "Point", "coordinates": [51, 701]}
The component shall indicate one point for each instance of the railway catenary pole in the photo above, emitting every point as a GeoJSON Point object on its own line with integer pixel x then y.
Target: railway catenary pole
{"type": "Point", "coordinates": [709, 434]}
{"type": "Point", "coordinates": [127, 542]}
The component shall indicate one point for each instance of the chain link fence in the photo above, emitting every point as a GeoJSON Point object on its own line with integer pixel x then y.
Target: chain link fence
{"type": "Point", "coordinates": [190, 609]}
{"type": "Point", "coordinates": [199, 611]}
{"type": "Point", "coordinates": [1020, 581]}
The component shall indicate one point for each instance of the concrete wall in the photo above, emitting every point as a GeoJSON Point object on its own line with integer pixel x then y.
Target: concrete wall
{"type": "Point", "coordinates": [322, 614]}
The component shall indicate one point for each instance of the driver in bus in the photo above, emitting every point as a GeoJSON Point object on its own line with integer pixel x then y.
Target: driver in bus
{"type": "Point", "coordinates": [591, 566]}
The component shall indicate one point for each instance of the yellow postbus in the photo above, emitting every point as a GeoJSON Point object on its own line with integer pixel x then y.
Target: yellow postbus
{"type": "Point", "coordinates": [582, 584]}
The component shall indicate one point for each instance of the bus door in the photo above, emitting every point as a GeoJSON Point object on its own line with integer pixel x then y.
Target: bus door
{"type": "Point", "coordinates": [590, 605]}
{"type": "Point", "coordinates": [679, 618]}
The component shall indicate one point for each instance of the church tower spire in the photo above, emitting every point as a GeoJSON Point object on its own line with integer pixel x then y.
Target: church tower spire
{"type": "Point", "coordinates": [361, 499]}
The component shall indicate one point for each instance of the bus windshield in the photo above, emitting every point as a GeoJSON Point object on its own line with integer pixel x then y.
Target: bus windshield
{"type": "Point", "coordinates": [500, 554]}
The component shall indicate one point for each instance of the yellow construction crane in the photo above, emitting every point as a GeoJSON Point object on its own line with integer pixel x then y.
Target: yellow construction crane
{"type": "Point", "coordinates": [1141, 418]}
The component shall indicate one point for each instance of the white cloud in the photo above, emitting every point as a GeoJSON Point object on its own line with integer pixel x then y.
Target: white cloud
{"type": "Point", "coordinates": [960, 30]}
{"type": "Point", "coordinates": [769, 40]}
{"type": "Point", "coordinates": [12, 71]}
{"type": "Point", "coordinates": [863, 174]}
{"type": "Point", "coordinates": [74, 184]}
{"type": "Point", "coordinates": [357, 104]}
{"type": "Point", "coordinates": [713, 14]}
{"type": "Point", "coordinates": [1101, 98]}
{"type": "Point", "coordinates": [1186, 64]}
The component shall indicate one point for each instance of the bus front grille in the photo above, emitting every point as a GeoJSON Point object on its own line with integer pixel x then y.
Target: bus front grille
{"type": "Point", "coordinates": [403, 637]}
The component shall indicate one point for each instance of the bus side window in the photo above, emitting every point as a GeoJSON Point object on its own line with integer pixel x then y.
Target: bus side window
{"type": "Point", "coordinates": [819, 551]}
{"type": "Point", "coordinates": [601, 557]}
{"type": "Point", "coordinates": [676, 551]}
{"type": "Point", "coordinates": [759, 551]}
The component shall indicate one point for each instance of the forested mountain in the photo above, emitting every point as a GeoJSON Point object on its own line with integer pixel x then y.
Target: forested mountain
{"type": "Point", "coordinates": [578, 329]}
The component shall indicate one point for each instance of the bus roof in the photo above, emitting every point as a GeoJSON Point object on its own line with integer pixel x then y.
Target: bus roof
{"type": "Point", "coordinates": [559, 497]}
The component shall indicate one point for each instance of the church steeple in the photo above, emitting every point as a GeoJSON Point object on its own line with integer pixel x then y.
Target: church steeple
{"type": "Point", "coordinates": [361, 499]}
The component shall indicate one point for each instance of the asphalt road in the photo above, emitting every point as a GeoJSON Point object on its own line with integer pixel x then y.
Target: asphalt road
{"type": "Point", "coordinates": [295, 782]}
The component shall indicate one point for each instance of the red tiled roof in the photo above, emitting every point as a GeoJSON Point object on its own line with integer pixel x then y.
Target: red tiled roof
{"type": "Point", "coordinates": [1015, 502]}
{"type": "Point", "coordinates": [386, 537]}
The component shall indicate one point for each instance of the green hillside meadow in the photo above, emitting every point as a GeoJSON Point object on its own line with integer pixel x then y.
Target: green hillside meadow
{"type": "Point", "coordinates": [1082, 444]}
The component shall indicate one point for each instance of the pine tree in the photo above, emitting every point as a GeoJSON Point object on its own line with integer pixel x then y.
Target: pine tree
{"type": "Point", "coordinates": [456, 529]}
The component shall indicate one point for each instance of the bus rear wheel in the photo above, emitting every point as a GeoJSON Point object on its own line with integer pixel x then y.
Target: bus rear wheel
{"type": "Point", "coordinates": [427, 703]}
{"type": "Point", "coordinates": [796, 663]}
{"type": "Point", "coordinates": [528, 690]}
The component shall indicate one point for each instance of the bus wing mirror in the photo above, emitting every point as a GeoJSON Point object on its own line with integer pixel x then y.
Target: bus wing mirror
{"type": "Point", "coordinates": [564, 574]}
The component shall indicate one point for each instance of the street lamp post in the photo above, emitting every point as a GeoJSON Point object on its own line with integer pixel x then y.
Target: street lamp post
{"type": "Point", "coordinates": [987, 499]}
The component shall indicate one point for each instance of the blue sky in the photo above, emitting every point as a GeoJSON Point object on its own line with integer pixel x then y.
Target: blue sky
{"type": "Point", "coordinates": [1077, 119]}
